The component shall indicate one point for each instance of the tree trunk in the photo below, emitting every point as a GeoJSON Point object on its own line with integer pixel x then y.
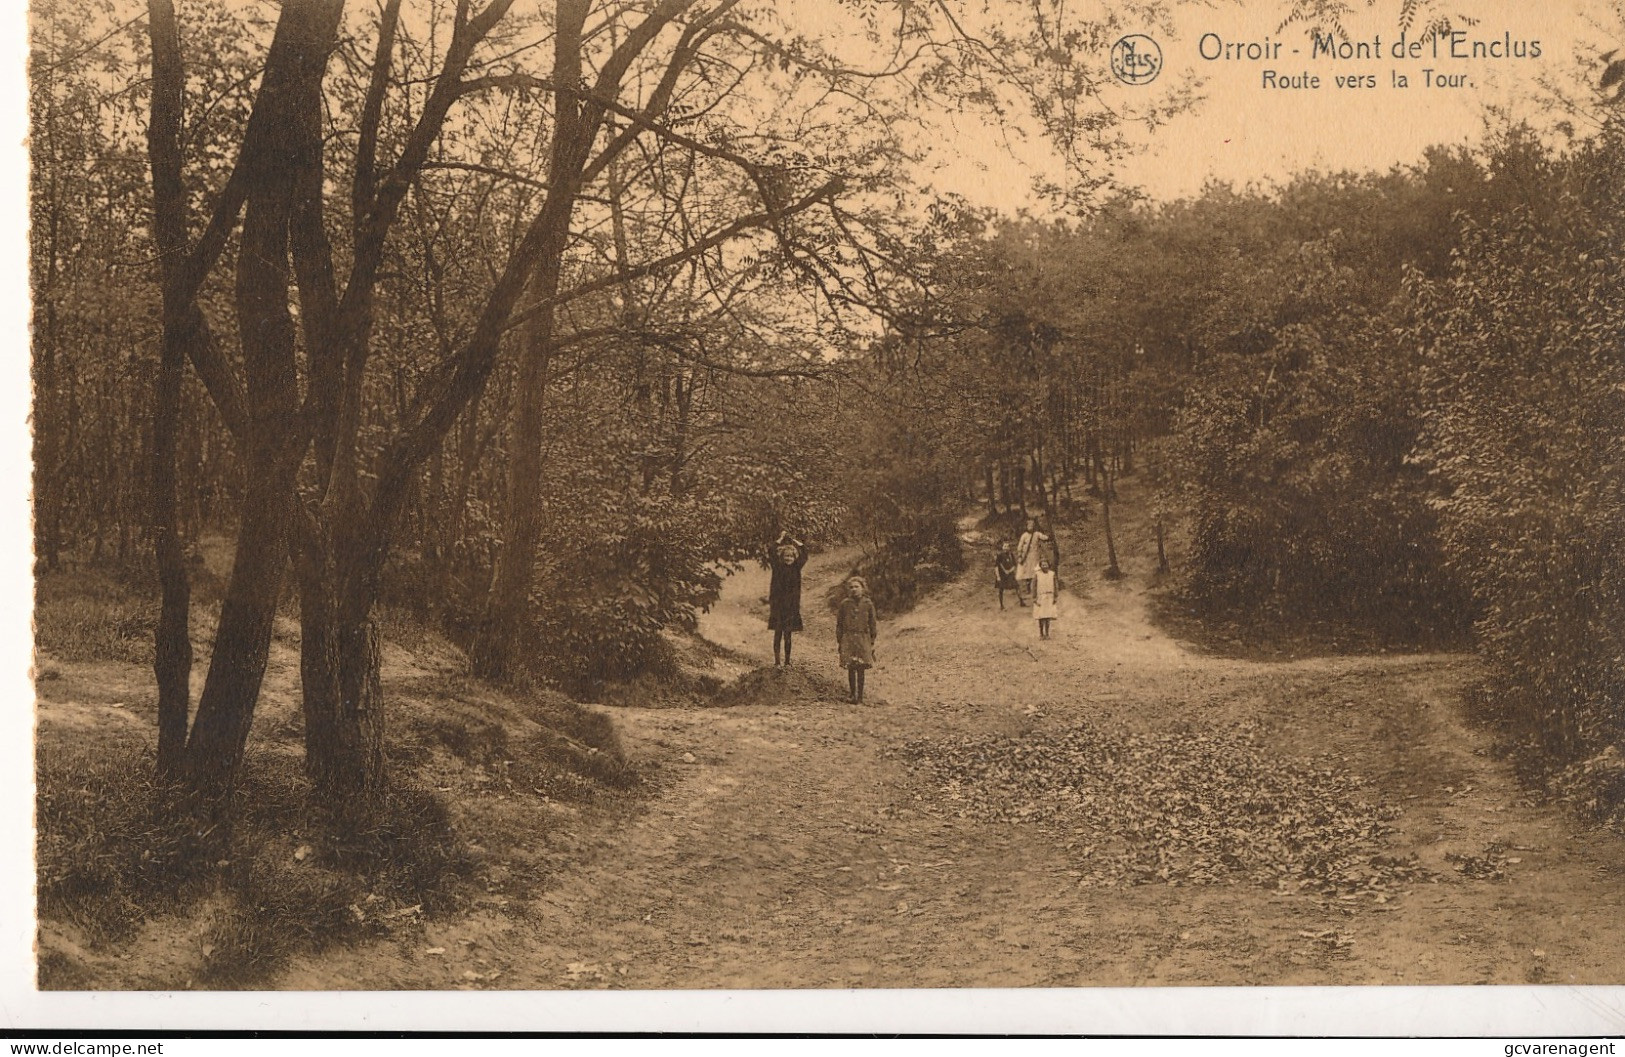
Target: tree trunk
{"type": "Point", "coordinates": [343, 698]}
{"type": "Point", "coordinates": [172, 639]}
{"type": "Point", "coordinates": [272, 441]}
{"type": "Point", "coordinates": [492, 656]}
{"type": "Point", "coordinates": [242, 640]}
{"type": "Point", "coordinates": [684, 391]}
{"type": "Point", "coordinates": [472, 443]}
{"type": "Point", "coordinates": [1112, 570]}
{"type": "Point", "coordinates": [1041, 483]}
{"type": "Point", "coordinates": [495, 645]}
{"type": "Point", "coordinates": [48, 420]}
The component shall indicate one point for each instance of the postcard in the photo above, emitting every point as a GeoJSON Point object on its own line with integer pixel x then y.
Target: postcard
{"type": "Point", "coordinates": [940, 517]}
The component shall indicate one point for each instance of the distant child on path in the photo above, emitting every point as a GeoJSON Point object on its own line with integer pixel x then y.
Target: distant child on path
{"type": "Point", "coordinates": [1045, 608]}
{"type": "Point", "coordinates": [855, 631]}
{"type": "Point", "coordinates": [1028, 549]}
{"type": "Point", "coordinates": [786, 557]}
{"type": "Point", "coordinates": [1004, 572]}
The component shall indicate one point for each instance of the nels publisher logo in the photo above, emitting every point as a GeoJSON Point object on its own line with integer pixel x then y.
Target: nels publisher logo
{"type": "Point", "coordinates": [1136, 59]}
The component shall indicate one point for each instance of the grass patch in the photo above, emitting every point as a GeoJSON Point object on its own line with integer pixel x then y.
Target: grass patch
{"type": "Point", "coordinates": [304, 877]}
{"type": "Point", "coordinates": [290, 876]}
{"type": "Point", "coordinates": [675, 689]}
{"type": "Point", "coordinates": [476, 777]}
{"type": "Point", "coordinates": [108, 855]}
{"type": "Point", "coordinates": [777, 687]}
{"type": "Point", "coordinates": [88, 615]}
{"type": "Point", "coordinates": [537, 741]}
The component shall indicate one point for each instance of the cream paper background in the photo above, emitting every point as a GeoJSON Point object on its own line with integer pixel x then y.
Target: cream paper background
{"type": "Point", "coordinates": [1240, 133]}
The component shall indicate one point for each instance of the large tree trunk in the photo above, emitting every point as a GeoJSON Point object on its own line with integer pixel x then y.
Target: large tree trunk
{"type": "Point", "coordinates": [172, 643]}
{"type": "Point", "coordinates": [172, 640]}
{"type": "Point", "coordinates": [497, 641]}
{"type": "Point", "coordinates": [270, 437]}
{"type": "Point", "coordinates": [242, 640]}
{"type": "Point", "coordinates": [248, 612]}
{"type": "Point", "coordinates": [343, 699]}
{"type": "Point", "coordinates": [494, 648]}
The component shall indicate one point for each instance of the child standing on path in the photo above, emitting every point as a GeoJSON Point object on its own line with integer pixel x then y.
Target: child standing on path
{"type": "Point", "coordinates": [786, 557]}
{"type": "Point", "coordinates": [855, 631]}
{"type": "Point", "coordinates": [1045, 608]}
{"type": "Point", "coordinates": [1004, 572]}
{"type": "Point", "coordinates": [1028, 549]}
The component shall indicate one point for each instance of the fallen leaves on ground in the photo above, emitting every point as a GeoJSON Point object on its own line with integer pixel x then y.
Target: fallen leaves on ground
{"type": "Point", "coordinates": [1330, 941]}
{"type": "Point", "coordinates": [1488, 865]}
{"type": "Point", "coordinates": [1192, 807]}
{"type": "Point", "coordinates": [598, 973]}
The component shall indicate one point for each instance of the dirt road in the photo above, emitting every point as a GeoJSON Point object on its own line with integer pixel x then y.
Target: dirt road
{"type": "Point", "coordinates": [790, 846]}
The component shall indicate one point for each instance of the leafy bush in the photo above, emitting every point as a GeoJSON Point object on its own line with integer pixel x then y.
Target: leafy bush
{"type": "Point", "coordinates": [606, 593]}
{"type": "Point", "coordinates": [643, 521]}
{"type": "Point", "coordinates": [903, 569]}
{"type": "Point", "coordinates": [1305, 505]}
{"type": "Point", "coordinates": [1596, 786]}
{"type": "Point", "coordinates": [1527, 373]}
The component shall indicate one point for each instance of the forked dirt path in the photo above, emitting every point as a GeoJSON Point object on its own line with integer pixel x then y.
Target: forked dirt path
{"type": "Point", "coordinates": [787, 847]}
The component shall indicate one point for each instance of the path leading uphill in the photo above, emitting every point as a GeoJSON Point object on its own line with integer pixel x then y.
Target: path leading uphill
{"type": "Point", "coordinates": [791, 845]}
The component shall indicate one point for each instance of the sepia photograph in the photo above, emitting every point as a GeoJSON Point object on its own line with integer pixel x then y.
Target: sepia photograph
{"type": "Point", "coordinates": [852, 496]}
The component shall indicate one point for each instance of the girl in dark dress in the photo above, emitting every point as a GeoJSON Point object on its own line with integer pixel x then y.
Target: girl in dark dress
{"type": "Point", "coordinates": [855, 628]}
{"type": "Point", "coordinates": [785, 557]}
{"type": "Point", "coordinates": [1004, 572]}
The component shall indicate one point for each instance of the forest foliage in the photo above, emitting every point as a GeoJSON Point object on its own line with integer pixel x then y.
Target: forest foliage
{"type": "Point", "coordinates": [532, 320]}
{"type": "Point", "coordinates": [1386, 405]}
{"type": "Point", "coordinates": [1384, 402]}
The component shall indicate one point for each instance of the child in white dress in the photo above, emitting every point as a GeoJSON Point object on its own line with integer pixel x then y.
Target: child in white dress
{"type": "Point", "coordinates": [1028, 549]}
{"type": "Point", "coordinates": [1044, 601]}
